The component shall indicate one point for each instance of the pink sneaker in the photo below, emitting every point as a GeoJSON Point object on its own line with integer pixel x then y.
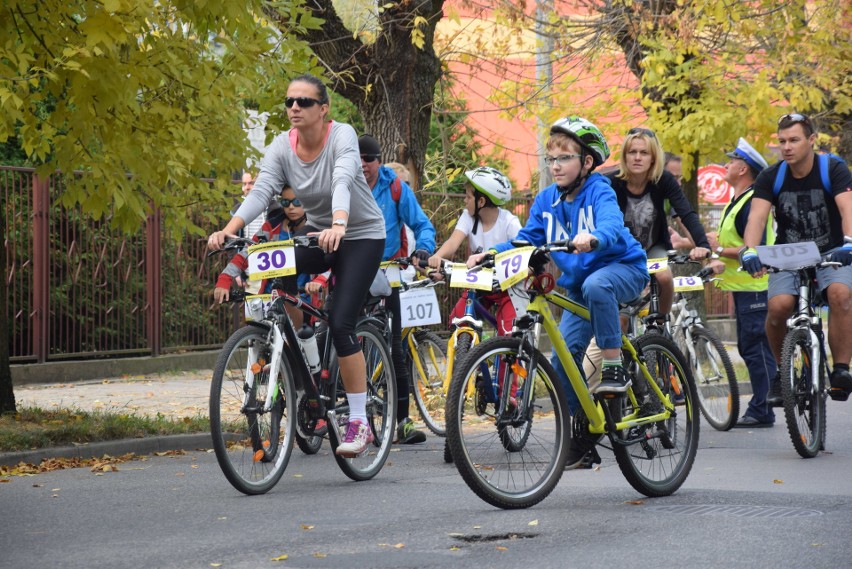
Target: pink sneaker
{"type": "Point", "coordinates": [358, 436]}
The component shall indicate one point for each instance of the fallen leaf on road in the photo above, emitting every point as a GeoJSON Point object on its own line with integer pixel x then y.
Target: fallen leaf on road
{"type": "Point", "coordinates": [215, 565]}
{"type": "Point", "coordinates": [280, 557]}
{"type": "Point", "coordinates": [817, 544]}
{"type": "Point", "coordinates": [5, 480]}
{"type": "Point", "coordinates": [635, 502]}
{"type": "Point", "coordinates": [399, 545]}
{"type": "Point", "coordinates": [298, 475]}
{"type": "Point", "coordinates": [777, 481]}
{"type": "Point", "coordinates": [455, 548]}
{"type": "Point", "coordinates": [307, 526]}
{"type": "Point", "coordinates": [533, 523]}
{"type": "Point", "coordinates": [477, 527]}
{"type": "Point", "coordinates": [180, 474]}
{"type": "Point", "coordinates": [320, 555]}
{"type": "Point", "coordinates": [501, 548]}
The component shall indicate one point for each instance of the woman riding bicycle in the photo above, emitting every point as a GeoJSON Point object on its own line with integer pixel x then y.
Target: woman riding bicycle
{"type": "Point", "coordinates": [319, 159]}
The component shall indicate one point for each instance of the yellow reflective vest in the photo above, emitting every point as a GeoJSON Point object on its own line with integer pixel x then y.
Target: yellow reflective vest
{"type": "Point", "coordinates": [732, 279]}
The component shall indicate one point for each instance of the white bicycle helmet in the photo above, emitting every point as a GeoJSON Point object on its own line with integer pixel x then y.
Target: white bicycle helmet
{"type": "Point", "coordinates": [587, 134]}
{"type": "Point", "coordinates": [491, 182]}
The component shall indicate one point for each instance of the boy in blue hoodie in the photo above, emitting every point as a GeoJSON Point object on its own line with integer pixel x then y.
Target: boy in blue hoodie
{"type": "Point", "coordinates": [581, 205]}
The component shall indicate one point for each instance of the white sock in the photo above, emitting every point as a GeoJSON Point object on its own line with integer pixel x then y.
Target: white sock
{"type": "Point", "coordinates": [357, 406]}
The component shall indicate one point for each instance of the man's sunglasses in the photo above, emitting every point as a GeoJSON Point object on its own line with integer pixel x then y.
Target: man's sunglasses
{"type": "Point", "coordinates": [304, 102]}
{"type": "Point", "coordinates": [794, 118]}
{"type": "Point", "coordinates": [647, 132]}
{"type": "Point", "coordinates": [287, 203]}
{"type": "Point", "coordinates": [369, 158]}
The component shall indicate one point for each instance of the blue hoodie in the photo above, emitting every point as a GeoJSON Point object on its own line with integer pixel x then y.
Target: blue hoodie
{"type": "Point", "coordinates": [409, 212]}
{"type": "Point", "coordinates": [594, 210]}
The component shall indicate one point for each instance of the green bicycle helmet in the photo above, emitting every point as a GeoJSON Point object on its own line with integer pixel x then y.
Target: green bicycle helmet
{"type": "Point", "coordinates": [586, 134]}
{"type": "Point", "coordinates": [492, 183]}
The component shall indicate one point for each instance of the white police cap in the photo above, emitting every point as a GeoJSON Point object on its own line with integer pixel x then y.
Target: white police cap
{"type": "Point", "coordinates": [749, 155]}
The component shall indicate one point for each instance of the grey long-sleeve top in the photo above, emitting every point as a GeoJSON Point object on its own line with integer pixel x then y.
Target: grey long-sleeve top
{"type": "Point", "coordinates": [331, 182]}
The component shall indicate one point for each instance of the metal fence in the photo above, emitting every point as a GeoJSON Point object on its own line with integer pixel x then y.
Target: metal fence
{"type": "Point", "coordinates": [78, 289]}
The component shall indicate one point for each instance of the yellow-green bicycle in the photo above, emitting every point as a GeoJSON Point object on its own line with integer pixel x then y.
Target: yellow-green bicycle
{"type": "Point", "coordinates": [510, 445]}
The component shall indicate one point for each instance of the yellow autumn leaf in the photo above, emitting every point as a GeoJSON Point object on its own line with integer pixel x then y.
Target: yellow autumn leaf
{"type": "Point", "coordinates": [533, 523]}
{"type": "Point", "coordinates": [307, 526]}
{"type": "Point", "coordinates": [501, 548]}
{"type": "Point", "coordinates": [280, 557]}
{"type": "Point", "coordinates": [455, 548]}
{"type": "Point", "coordinates": [777, 481]}
{"type": "Point", "coordinates": [320, 555]}
{"type": "Point", "coordinates": [399, 545]}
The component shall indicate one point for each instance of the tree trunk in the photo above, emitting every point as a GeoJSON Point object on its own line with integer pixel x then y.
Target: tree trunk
{"type": "Point", "coordinates": [391, 81]}
{"type": "Point", "coordinates": [7, 394]}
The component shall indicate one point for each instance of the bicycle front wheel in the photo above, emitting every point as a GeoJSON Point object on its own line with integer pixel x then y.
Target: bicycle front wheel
{"type": "Point", "coordinates": [514, 457]}
{"type": "Point", "coordinates": [715, 380]}
{"type": "Point", "coordinates": [427, 367]}
{"type": "Point", "coordinates": [381, 406]}
{"type": "Point", "coordinates": [252, 445]}
{"type": "Point", "coordinates": [657, 458]}
{"type": "Point", "coordinates": [804, 402]}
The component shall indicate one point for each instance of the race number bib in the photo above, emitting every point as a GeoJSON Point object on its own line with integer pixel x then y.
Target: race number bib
{"type": "Point", "coordinates": [657, 265]}
{"type": "Point", "coordinates": [512, 266]}
{"type": "Point", "coordinates": [392, 273]}
{"type": "Point", "coordinates": [684, 284]}
{"type": "Point", "coordinates": [419, 307]}
{"type": "Point", "coordinates": [790, 256]}
{"type": "Point", "coordinates": [272, 259]}
{"type": "Point", "coordinates": [479, 279]}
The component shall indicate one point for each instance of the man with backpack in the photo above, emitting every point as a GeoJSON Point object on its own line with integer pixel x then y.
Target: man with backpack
{"type": "Point", "coordinates": [802, 183]}
{"type": "Point", "coordinates": [400, 208]}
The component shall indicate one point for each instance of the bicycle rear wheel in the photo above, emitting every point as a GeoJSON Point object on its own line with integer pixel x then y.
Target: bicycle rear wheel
{"type": "Point", "coordinates": [252, 446]}
{"type": "Point", "coordinates": [512, 458]}
{"type": "Point", "coordinates": [427, 368]}
{"type": "Point", "coordinates": [661, 455]}
{"type": "Point", "coordinates": [381, 400]}
{"type": "Point", "coordinates": [715, 380]}
{"type": "Point", "coordinates": [804, 402]}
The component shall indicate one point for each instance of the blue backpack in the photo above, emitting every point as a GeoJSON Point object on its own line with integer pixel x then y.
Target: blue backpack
{"type": "Point", "coordinates": [824, 161]}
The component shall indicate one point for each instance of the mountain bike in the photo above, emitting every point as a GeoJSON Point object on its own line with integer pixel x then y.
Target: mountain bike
{"type": "Point", "coordinates": [715, 378]}
{"type": "Point", "coordinates": [511, 452]}
{"type": "Point", "coordinates": [804, 361]}
{"type": "Point", "coordinates": [265, 393]}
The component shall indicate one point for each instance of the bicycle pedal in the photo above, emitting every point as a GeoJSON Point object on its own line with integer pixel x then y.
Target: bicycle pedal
{"type": "Point", "coordinates": [838, 394]}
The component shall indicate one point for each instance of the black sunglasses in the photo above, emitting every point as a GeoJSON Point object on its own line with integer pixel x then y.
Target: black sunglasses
{"type": "Point", "coordinates": [645, 131]}
{"type": "Point", "coordinates": [369, 157]}
{"type": "Point", "coordinates": [287, 203]}
{"type": "Point", "coordinates": [794, 117]}
{"type": "Point", "coordinates": [304, 102]}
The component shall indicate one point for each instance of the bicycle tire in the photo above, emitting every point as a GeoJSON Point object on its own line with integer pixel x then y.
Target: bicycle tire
{"type": "Point", "coordinates": [715, 380]}
{"type": "Point", "coordinates": [804, 405]}
{"type": "Point", "coordinates": [310, 445]}
{"type": "Point", "coordinates": [252, 448]}
{"type": "Point", "coordinates": [428, 389]}
{"type": "Point", "coordinates": [381, 405]}
{"type": "Point", "coordinates": [658, 464]}
{"type": "Point", "coordinates": [503, 478]}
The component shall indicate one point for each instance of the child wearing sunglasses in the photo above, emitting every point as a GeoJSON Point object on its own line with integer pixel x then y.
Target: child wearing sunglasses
{"type": "Point", "coordinates": [283, 219]}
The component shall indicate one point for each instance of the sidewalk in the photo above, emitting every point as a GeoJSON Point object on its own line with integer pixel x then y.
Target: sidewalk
{"type": "Point", "coordinates": [173, 394]}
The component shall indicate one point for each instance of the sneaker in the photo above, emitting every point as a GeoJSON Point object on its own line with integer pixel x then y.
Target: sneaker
{"type": "Point", "coordinates": [841, 384]}
{"type": "Point", "coordinates": [407, 434]}
{"type": "Point", "coordinates": [358, 436]}
{"type": "Point", "coordinates": [613, 380]}
{"type": "Point", "coordinates": [774, 397]}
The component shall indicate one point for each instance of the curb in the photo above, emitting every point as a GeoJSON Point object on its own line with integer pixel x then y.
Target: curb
{"type": "Point", "coordinates": [148, 445]}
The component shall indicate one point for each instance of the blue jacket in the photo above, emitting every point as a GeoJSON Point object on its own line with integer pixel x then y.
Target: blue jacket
{"type": "Point", "coordinates": [410, 213]}
{"type": "Point", "coordinates": [594, 210]}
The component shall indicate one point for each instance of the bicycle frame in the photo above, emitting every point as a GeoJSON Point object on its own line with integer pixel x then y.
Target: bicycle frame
{"type": "Point", "coordinates": [542, 317]}
{"type": "Point", "coordinates": [806, 317]}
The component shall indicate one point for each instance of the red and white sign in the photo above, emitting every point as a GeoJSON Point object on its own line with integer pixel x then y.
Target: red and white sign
{"type": "Point", "coordinates": [712, 187]}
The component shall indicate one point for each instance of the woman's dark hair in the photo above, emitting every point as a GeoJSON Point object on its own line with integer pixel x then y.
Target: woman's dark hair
{"type": "Point", "coordinates": [316, 82]}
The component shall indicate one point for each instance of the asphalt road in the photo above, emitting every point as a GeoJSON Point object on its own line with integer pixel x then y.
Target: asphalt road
{"type": "Point", "coordinates": [750, 501]}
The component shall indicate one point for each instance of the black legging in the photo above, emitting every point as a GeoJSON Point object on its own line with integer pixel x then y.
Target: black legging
{"type": "Point", "coordinates": [355, 265]}
{"type": "Point", "coordinates": [398, 356]}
